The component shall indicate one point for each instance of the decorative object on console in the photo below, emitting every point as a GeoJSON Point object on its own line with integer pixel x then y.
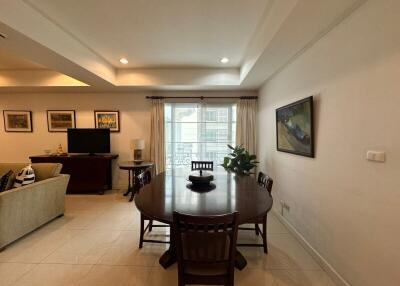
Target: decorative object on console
{"type": "Point", "coordinates": [60, 120]}
{"type": "Point", "coordinates": [240, 161]}
{"type": "Point", "coordinates": [60, 151]}
{"type": "Point", "coordinates": [107, 119]}
{"type": "Point", "coordinates": [294, 128]}
{"type": "Point", "coordinates": [17, 121]}
{"type": "Point", "coordinates": [25, 177]}
{"type": "Point", "coordinates": [137, 146]}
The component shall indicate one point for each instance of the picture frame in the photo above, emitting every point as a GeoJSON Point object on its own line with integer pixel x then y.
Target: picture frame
{"type": "Point", "coordinates": [60, 120]}
{"type": "Point", "coordinates": [107, 119]}
{"type": "Point", "coordinates": [17, 120]}
{"type": "Point", "coordinates": [295, 128]}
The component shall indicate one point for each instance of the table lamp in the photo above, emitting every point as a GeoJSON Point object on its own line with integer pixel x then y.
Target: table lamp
{"type": "Point", "coordinates": [138, 146]}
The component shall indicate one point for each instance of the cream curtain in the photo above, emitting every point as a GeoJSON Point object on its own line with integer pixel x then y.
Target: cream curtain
{"type": "Point", "coordinates": [246, 124]}
{"type": "Point", "coordinates": [157, 138]}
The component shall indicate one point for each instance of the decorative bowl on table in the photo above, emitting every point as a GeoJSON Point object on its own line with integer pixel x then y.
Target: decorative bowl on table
{"type": "Point", "coordinates": [201, 181]}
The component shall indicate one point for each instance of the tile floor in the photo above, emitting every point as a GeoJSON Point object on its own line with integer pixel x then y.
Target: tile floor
{"type": "Point", "coordinates": [96, 243]}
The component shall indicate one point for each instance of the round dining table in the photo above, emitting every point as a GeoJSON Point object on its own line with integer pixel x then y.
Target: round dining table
{"type": "Point", "coordinates": [169, 191]}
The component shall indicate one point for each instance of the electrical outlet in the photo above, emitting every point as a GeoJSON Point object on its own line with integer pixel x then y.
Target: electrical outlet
{"type": "Point", "coordinates": [286, 206]}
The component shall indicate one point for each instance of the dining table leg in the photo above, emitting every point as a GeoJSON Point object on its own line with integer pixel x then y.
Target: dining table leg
{"type": "Point", "coordinates": [169, 257]}
{"type": "Point", "coordinates": [240, 261]}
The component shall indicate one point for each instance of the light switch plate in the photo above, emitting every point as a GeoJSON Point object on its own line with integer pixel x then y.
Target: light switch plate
{"type": "Point", "coordinates": [376, 156]}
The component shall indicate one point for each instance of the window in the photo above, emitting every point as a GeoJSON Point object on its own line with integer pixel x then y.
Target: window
{"type": "Point", "coordinates": [196, 131]}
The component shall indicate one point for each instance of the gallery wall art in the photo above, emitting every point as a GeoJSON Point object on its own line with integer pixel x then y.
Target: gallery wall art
{"type": "Point", "coordinates": [60, 120]}
{"type": "Point", "coordinates": [17, 121]}
{"type": "Point", "coordinates": [294, 128]}
{"type": "Point", "coordinates": [107, 119]}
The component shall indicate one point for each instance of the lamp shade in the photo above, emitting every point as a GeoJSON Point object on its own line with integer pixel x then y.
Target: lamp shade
{"type": "Point", "coordinates": [138, 144]}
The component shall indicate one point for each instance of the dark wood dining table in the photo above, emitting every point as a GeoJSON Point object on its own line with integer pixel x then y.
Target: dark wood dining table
{"type": "Point", "coordinates": [168, 192]}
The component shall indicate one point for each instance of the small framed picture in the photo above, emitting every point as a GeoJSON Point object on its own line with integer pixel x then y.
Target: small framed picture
{"type": "Point", "coordinates": [107, 119]}
{"type": "Point", "coordinates": [17, 121]}
{"type": "Point", "coordinates": [60, 120]}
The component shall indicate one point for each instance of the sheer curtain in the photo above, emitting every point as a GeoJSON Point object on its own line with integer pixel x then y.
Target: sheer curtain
{"type": "Point", "coordinates": [246, 124]}
{"type": "Point", "coordinates": [157, 137]}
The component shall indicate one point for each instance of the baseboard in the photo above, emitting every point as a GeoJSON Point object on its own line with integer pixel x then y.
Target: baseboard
{"type": "Point", "coordinates": [333, 274]}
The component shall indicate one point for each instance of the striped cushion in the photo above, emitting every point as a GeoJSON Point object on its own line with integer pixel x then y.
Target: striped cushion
{"type": "Point", "coordinates": [25, 177]}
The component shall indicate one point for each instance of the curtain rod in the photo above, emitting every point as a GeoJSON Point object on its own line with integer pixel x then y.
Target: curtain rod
{"type": "Point", "coordinates": [202, 97]}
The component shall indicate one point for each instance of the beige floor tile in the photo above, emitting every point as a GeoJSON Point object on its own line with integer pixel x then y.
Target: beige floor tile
{"type": "Point", "coordinates": [274, 226]}
{"type": "Point", "coordinates": [11, 272]}
{"type": "Point", "coordinates": [105, 275]}
{"type": "Point", "coordinates": [301, 278]}
{"type": "Point", "coordinates": [104, 230]}
{"type": "Point", "coordinates": [125, 251]}
{"type": "Point", "coordinates": [36, 246]}
{"type": "Point", "coordinates": [161, 277]}
{"type": "Point", "coordinates": [116, 220]}
{"type": "Point", "coordinates": [255, 277]}
{"type": "Point", "coordinates": [76, 219]}
{"type": "Point", "coordinates": [86, 247]}
{"type": "Point", "coordinates": [285, 252]}
{"type": "Point", "coordinates": [54, 275]}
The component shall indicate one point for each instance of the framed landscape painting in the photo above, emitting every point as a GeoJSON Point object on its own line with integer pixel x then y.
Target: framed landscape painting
{"type": "Point", "coordinates": [17, 121]}
{"type": "Point", "coordinates": [107, 119]}
{"type": "Point", "coordinates": [294, 128]}
{"type": "Point", "coordinates": [60, 120]}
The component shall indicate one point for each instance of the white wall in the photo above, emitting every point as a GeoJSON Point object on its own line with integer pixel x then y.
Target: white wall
{"type": "Point", "coordinates": [134, 117]}
{"type": "Point", "coordinates": [347, 208]}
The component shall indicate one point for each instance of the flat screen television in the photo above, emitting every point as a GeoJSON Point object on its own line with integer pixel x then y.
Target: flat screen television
{"type": "Point", "coordinates": [88, 140]}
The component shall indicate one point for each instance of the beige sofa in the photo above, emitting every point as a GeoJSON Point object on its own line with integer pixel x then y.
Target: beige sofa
{"type": "Point", "coordinates": [26, 208]}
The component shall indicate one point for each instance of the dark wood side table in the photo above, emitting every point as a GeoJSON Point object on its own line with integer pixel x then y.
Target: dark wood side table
{"type": "Point", "coordinates": [134, 170]}
{"type": "Point", "coordinates": [89, 173]}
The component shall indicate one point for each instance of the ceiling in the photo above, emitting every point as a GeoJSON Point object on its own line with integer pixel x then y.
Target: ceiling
{"type": "Point", "coordinates": [154, 33]}
{"type": "Point", "coordinates": [172, 45]}
{"type": "Point", "coordinates": [9, 61]}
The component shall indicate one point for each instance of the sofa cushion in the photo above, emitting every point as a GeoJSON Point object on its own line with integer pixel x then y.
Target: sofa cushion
{"type": "Point", "coordinates": [7, 181]}
{"type": "Point", "coordinates": [25, 177]}
{"type": "Point", "coordinates": [45, 171]}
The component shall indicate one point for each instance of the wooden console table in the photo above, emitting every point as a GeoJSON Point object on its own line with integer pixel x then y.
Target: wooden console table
{"type": "Point", "coordinates": [89, 173]}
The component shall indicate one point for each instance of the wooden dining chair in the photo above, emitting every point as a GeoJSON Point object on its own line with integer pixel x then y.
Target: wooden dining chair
{"type": "Point", "coordinates": [206, 248]}
{"type": "Point", "coordinates": [202, 166]}
{"type": "Point", "coordinates": [266, 182]}
{"type": "Point", "coordinates": [144, 178]}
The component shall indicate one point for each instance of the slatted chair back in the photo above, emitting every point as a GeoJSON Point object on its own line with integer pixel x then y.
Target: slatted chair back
{"type": "Point", "coordinates": [144, 178]}
{"type": "Point", "coordinates": [206, 248]}
{"type": "Point", "coordinates": [202, 165]}
{"type": "Point", "coordinates": [265, 181]}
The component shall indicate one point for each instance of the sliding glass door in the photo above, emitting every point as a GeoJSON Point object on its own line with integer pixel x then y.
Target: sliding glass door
{"type": "Point", "coordinates": [198, 131]}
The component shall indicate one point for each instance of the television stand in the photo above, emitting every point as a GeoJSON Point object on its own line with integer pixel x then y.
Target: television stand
{"type": "Point", "coordinates": [89, 173]}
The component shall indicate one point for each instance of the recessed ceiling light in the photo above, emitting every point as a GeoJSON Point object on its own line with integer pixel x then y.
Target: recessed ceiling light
{"type": "Point", "coordinates": [123, 61]}
{"type": "Point", "coordinates": [224, 60]}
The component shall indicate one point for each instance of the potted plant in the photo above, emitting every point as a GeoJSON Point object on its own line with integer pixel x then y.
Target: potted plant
{"type": "Point", "coordinates": [240, 161]}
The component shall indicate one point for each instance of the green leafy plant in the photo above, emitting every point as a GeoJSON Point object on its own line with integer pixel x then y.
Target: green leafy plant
{"type": "Point", "coordinates": [240, 161]}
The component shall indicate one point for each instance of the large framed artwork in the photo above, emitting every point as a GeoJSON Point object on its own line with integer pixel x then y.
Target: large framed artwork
{"type": "Point", "coordinates": [60, 120]}
{"type": "Point", "coordinates": [17, 120]}
{"type": "Point", "coordinates": [295, 128]}
{"type": "Point", "coordinates": [107, 119]}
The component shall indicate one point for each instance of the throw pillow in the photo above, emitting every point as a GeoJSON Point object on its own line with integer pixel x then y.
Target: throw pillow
{"type": "Point", "coordinates": [25, 177]}
{"type": "Point", "coordinates": [6, 181]}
